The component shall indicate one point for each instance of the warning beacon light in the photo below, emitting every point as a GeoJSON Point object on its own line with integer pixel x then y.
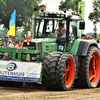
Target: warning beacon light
{"type": "Point", "coordinates": [42, 9]}
{"type": "Point", "coordinates": [80, 9]}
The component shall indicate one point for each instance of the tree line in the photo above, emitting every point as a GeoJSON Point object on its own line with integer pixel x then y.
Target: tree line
{"type": "Point", "coordinates": [25, 8]}
{"type": "Point", "coordinates": [22, 7]}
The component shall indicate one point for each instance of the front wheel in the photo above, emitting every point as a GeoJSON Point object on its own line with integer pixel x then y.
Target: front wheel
{"type": "Point", "coordinates": [59, 71]}
{"type": "Point", "coordinates": [66, 72]}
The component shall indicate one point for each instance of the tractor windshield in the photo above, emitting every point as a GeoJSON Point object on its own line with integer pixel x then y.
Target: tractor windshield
{"type": "Point", "coordinates": [48, 28]}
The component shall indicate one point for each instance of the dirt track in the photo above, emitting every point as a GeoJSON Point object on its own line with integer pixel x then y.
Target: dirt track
{"type": "Point", "coordinates": [38, 92]}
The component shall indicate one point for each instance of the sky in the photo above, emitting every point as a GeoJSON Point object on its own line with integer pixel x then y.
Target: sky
{"type": "Point", "coordinates": [52, 5]}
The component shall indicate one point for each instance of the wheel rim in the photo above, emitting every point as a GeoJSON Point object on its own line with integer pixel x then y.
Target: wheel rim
{"type": "Point", "coordinates": [68, 72]}
{"type": "Point", "coordinates": [94, 68]}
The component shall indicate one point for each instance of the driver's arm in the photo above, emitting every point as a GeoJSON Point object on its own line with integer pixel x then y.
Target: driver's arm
{"type": "Point", "coordinates": [61, 33]}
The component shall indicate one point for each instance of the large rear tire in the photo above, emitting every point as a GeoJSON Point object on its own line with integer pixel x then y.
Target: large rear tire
{"type": "Point", "coordinates": [58, 71]}
{"type": "Point", "coordinates": [90, 68]}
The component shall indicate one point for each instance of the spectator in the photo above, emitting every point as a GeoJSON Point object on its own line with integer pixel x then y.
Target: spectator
{"type": "Point", "coordinates": [1, 45]}
{"type": "Point", "coordinates": [11, 44]}
{"type": "Point", "coordinates": [7, 40]}
{"type": "Point", "coordinates": [19, 45]}
{"type": "Point", "coordinates": [7, 45]}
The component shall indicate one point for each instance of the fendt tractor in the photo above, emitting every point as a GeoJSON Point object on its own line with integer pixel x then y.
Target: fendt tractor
{"type": "Point", "coordinates": [57, 63]}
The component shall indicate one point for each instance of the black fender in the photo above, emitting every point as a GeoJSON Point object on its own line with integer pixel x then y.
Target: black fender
{"type": "Point", "coordinates": [84, 46]}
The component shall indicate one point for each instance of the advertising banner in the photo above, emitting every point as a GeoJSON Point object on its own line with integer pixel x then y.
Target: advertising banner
{"type": "Point", "coordinates": [20, 71]}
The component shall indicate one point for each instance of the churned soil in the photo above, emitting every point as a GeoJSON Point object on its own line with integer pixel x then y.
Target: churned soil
{"type": "Point", "coordinates": [38, 92]}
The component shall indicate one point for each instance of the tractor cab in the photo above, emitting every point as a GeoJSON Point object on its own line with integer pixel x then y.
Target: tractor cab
{"type": "Point", "coordinates": [48, 26]}
{"type": "Point", "coordinates": [46, 37]}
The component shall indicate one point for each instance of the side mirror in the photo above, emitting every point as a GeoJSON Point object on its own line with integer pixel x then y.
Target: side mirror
{"type": "Point", "coordinates": [98, 41]}
{"type": "Point", "coordinates": [82, 25]}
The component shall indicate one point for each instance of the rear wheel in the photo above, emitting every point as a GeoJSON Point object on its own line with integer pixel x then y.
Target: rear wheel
{"type": "Point", "coordinates": [90, 68]}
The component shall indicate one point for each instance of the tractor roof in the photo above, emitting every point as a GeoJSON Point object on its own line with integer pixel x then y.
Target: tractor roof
{"type": "Point", "coordinates": [58, 15]}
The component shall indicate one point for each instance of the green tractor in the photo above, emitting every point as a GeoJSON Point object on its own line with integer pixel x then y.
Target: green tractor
{"type": "Point", "coordinates": [69, 60]}
{"type": "Point", "coordinates": [56, 62]}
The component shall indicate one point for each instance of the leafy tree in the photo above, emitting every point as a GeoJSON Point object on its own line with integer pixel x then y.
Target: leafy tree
{"type": "Point", "coordinates": [69, 4]}
{"type": "Point", "coordinates": [3, 32]}
{"type": "Point", "coordinates": [22, 7]}
{"type": "Point", "coordinates": [95, 15]}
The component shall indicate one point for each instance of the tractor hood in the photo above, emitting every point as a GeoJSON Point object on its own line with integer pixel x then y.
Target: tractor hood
{"type": "Point", "coordinates": [44, 40]}
{"type": "Point", "coordinates": [49, 40]}
{"type": "Point", "coordinates": [44, 45]}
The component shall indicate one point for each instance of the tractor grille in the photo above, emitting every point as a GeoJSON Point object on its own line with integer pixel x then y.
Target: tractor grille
{"type": "Point", "coordinates": [32, 46]}
{"type": "Point", "coordinates": [39, 45]}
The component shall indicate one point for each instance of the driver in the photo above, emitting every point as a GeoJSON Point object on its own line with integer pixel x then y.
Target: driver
{"type": "Point", "coordinates": [61, 32]}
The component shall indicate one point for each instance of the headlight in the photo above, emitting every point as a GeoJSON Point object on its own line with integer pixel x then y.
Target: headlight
{"type": "Point", "coordinates": [33, 58]}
